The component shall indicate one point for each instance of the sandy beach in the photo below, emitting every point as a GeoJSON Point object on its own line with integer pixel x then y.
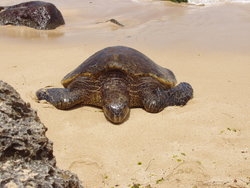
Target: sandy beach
{"type": "Point", "coordinates": [203, 144]}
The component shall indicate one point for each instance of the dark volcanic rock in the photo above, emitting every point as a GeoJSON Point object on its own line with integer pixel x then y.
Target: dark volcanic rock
{"type": "Point", "coordinates": [22, 135]}
{"type": "Point", "coordinates": [19, 173]}
{"type": "Point", "coordinates": [36, 14]}
{"type": "Point", "coordinates": [26, 154]}
{"type": "Point", "coordinates": [177, 1]}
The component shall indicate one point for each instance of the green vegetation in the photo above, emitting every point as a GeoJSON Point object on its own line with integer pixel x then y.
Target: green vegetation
{"type": "Point", "coordinates": [159, 180]}
{"type": "Point", "coordinates": [234, 130]}
{"type": "Point", "coordinates": [230, 130]}
{"type": "Point", "coordinates": [139, 163]}
{"type": "Point", "coordinates": [184, 154]}
{"type": "Point", "coordinates": [136, 186]}
{"type": "Point", "coordinates": [248, 180]}
{"type": "Point", "coordinates": [179, 158]}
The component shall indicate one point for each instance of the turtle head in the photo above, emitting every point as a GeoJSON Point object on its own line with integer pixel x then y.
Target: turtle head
{"type": "Point", "coordinates": [115, 97]}
{"type": "Point", "coordinates": [116, 111]}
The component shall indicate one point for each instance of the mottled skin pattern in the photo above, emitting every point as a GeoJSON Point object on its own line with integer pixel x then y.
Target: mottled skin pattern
{"type": "Point", "coordinates": [117, 79]}
{"type": "Point", "coordinates": [35, 14]}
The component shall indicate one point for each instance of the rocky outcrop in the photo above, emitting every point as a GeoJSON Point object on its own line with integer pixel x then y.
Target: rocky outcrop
{"type": "Point", "coordinates": [177, 1]}
{"type": "Point", "coordinates": [35, 14]}
{"type": "Point", "coordinates": [26, 154]}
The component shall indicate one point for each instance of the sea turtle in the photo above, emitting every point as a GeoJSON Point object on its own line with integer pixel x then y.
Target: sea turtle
{"type": "Point", "coordinates": [116, 79]}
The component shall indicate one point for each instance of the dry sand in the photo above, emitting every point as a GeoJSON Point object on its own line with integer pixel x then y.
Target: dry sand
{"type": "Point", "coordinates": [203, 144]}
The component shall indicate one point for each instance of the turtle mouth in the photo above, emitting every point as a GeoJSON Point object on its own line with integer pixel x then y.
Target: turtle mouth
{"type": "Point", "coordinates": [116, 113]}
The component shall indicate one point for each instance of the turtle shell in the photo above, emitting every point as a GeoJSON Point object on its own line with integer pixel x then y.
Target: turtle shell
{"type": "Point", "coordinates": [125, 59]}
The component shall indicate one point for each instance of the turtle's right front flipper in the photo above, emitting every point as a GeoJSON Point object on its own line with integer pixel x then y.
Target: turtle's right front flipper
{"type": "Point", "coordinates": [61, 98]}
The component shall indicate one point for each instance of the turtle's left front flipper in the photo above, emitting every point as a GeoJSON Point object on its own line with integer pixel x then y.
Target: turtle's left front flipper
{"type": "Point", "coordinates": [179, 95]}
{"type": "Point", "coordinates": [61, 98]}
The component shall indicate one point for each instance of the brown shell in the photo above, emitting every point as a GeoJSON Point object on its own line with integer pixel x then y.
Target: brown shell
{"type": "Point", "coordinates": [127, 60]}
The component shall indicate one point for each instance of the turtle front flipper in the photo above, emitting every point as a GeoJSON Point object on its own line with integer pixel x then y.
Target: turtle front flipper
{"type": "Point", "coordinates": [179, 95]}
{"type": "Point", "coordinates": [152, 95]}
{"type": "Point", "coordinates": [153, 99]}
{"type": "Point", "coordinates": [61, 98]}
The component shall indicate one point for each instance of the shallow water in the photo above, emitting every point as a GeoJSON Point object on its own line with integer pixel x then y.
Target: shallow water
{"type": "Point", "coordinates": [159, 24]}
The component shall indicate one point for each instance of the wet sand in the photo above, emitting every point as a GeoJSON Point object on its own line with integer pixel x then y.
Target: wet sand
{"type": "Point", "coordinates": [203, 144]}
